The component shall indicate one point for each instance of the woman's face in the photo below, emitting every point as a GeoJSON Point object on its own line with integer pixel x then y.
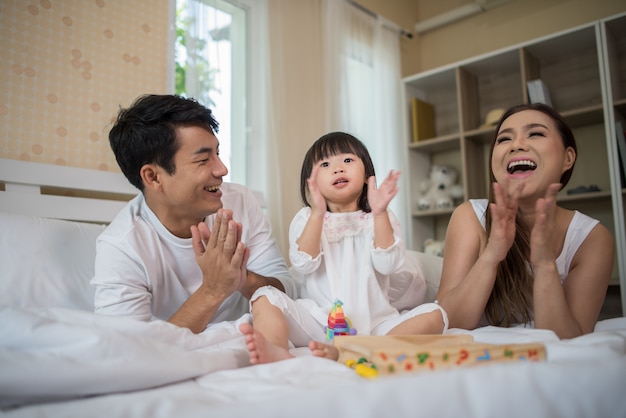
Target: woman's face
{"type": "Point", "coordinates": [529, 149]}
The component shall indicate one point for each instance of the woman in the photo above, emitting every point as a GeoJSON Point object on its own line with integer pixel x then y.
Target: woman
{"type": "Point", "coordinates": [526, 260]}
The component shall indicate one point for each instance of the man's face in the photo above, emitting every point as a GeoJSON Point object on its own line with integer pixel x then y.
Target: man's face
{"type": "Point", "coordinates": [193, 191]}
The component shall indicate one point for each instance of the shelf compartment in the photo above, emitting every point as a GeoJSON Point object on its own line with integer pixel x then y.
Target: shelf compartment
{"type": "Point", "coordinates": [433, 212]}
{"type": "Point", "coordinates": [438, 144]}
{"type": "Point", "coordinates": [439, 90]}
{"type": "Point", "coordinates": [569, 66]}
{"type": "Point", "coordinates": [584, 197]}
{"type": "Point", "coordinates": [616, 47]}
{"type": "Point", "coordinates": [494, 82]}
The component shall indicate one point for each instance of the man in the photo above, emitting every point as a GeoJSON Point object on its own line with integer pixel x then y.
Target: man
{"type": "Point", "coordinates": [157, 258]}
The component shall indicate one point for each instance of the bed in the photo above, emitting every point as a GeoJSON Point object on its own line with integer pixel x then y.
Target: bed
{"type": "Point", "coordinates": [58, 359]}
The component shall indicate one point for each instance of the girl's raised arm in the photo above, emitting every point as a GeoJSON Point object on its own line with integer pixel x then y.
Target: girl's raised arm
{"type": "Point", "coordinates": [310, 239]}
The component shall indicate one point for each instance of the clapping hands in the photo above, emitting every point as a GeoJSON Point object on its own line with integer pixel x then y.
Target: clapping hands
{"type": "Point", "coordinates": [221, 255]}
{"type": "Point", "coordinates": [379, 197]}
{"type": "Point", "coordinates": [317, 203]}
{"type": "Point", "coordinates": [503, 227]}
{"type": "Point", "coordinates": [503, 213]}
{"type": "Point", "coordinates": [541, 250]}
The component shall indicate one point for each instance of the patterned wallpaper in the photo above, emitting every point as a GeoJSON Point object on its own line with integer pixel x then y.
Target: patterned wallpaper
{"type": "Point", "coordinates": [66, 66]}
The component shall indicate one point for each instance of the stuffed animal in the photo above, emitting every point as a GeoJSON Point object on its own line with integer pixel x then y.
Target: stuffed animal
{"type": "Point", "coordinates": [434, 247]}
{"type": "Point", "coordinates": [439, 190]}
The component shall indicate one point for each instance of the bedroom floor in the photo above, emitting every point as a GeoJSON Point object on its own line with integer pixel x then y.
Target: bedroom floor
{"type": "Point", "coordinates": [612, 304]}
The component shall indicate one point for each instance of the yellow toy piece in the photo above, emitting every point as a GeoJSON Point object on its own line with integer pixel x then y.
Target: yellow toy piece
{"type": "Point", "coordinates": [363, 368]}
{"type": "Point", "coordinates": [366, 370]}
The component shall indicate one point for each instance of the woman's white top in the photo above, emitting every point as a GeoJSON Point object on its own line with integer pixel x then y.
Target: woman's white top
{"type": "Point", "coordinates": [580, 226]}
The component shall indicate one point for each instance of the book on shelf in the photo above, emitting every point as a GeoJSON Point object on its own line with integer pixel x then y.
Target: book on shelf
{"type": "Point", "coordinates": [621, 148]}
{"type": "Point", "coordinates": [538, 92]}
{"type": "Point", "coordinates": [422, 120]}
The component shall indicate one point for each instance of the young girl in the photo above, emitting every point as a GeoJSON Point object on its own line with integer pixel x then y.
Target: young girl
{"type": "Point", "coordinates": [520, 258]}
{"type": "Point", "coordinates": [345, 243]}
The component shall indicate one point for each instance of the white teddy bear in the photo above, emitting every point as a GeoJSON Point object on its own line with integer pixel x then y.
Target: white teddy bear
{"type": "Point", "coordinates": [434, 247]}
{"type": "Point", "coordinates": [440, 189]}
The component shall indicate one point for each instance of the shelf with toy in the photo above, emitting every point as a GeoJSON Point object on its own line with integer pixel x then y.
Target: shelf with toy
{"type": "Point", "coordinates": [439, 189]}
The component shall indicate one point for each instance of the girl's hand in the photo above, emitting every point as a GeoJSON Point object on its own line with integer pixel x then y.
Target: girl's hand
{"type": "Point", "coordinates": [317, 201]}
{"type": "Point", "coordinates": [503, 213]}
{"type": "Point", "coordinates": [541, 249]}
{"type": "Point", "coordinates": [380, 197]}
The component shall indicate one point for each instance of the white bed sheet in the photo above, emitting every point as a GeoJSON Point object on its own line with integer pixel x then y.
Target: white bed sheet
{"type": "Point", "coordinates": [60, 363]}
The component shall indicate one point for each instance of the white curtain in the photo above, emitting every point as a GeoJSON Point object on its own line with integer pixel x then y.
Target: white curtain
{"type": "Point", "coordinates": [285, 102]}
{"type": "Point", "coordinates": [358, 91]}
{"type": "Point", "coordinates": [263, 149]}
{"type": "Point", "coordinates": [362, 80]}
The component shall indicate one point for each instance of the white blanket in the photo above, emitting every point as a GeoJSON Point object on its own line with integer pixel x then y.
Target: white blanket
{"type": "Point", "coordinates": [59, 353]}
{"type": "Point", "coordinates": [155, 369]}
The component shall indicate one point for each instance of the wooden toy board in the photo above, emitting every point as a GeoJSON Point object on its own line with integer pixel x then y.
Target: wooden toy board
{"type": "Point", "coordinates": [417, 353]}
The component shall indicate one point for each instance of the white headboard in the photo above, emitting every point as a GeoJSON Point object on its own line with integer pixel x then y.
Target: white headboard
{"type": "Point", "coordinates": [60, 192]}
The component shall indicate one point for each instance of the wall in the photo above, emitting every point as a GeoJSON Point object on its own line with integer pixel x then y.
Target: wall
{"type": "Point", "coordinates": [66, 68]}
{"type": "Point", "coordinates": [68, 65]}
{"type": "Point", "coordinates": [297, 106]}
{"type": "Point", "coordinates": [511, 23]}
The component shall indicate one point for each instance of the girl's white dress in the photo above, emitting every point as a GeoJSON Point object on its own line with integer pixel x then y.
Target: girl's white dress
{"type": "Point", "coordinates": [348, 268]}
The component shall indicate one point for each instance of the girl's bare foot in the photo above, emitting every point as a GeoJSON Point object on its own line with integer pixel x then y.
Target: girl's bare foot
{"type": "Point", "coordinates": [328, 351]}
{"type": "Point", "coordinates": [262, 351]}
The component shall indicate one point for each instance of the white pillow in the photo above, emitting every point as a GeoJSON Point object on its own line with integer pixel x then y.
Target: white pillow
{"type": "Point", "coordinates": [46, 262]}
{"type": "Point", "coordinates": [431, 266]}
{"type": "Point", "coordinates": [408, 291]}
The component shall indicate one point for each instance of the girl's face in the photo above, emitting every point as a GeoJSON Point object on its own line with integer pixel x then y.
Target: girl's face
{"type": "Point", "coordinates": [340, 180]}
{"type": "Point", "coordinates": [529, 149]}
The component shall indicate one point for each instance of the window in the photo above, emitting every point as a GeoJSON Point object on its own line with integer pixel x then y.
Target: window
{"type": "Point", "coordinates": [210, 66]}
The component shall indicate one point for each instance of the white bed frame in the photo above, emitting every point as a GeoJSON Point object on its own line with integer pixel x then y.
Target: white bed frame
{"type": "Point", "coordinates": [60, 192]}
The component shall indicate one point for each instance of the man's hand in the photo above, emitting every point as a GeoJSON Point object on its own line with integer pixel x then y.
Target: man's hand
{"type": "Point", "coordinates": [222, 258]}
{"type": "Point", "coordinates": [221, 255]}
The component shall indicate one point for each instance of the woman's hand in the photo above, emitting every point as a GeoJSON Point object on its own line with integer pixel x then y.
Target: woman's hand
{"type": "Point", "coordinates": [503, 213]}
{"type": "Point", "coordinates": [541, 250]}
